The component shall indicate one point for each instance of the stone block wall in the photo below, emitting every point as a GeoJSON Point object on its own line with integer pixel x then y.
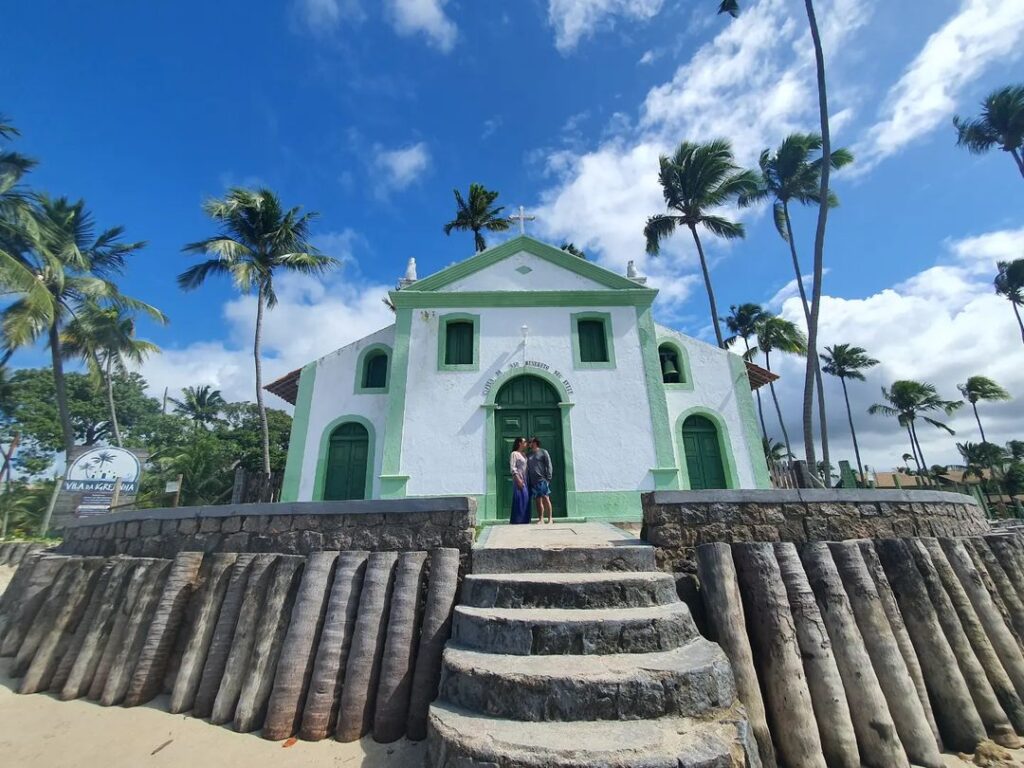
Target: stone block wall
{"type": "Point", "coordinates": [295, 528]}
{"type": "Point", "coordinates": [677, 521]}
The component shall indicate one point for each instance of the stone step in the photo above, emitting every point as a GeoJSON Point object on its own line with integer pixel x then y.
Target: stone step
{"type": "Point", "coordinates": [568, 590]}
{"type": "Point", "coordinates": [689, 680]}
{"type": "Point", "coordinates": [633, 557]}
{"type": "Point", "coordinates": [539, 631]}
{"type": "Point", "coordinates": [461, 739]}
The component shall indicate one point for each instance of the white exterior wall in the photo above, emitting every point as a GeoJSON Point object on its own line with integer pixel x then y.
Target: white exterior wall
{"type": "Point", "coordinates": [334, 396]}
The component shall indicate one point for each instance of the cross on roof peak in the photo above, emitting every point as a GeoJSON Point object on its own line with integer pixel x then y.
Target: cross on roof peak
{"type": "Point", "coordinates": [522, 218]}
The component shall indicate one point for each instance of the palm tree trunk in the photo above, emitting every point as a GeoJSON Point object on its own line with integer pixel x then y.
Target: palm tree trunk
{"type": "Point", "coordinates": [778, 410]}
{"type": "Point", "coordinates": [478, 240]}
{"type": "Point", "coordinates": [1020, 322]}
{"type": "Point", "coordinates": [707, 286]}
{"type": "Point", "coordinates": [853, 432]}
{"type": "Point", "coordinates": [818, 382]}
{"type": "Point", "coordinates": [1019, 159]}
{"type": "Point", "coordinates": [978, 419]}
{"type": "Point", "coordinates": [110, 403]}
{"type": "Point", "coordinates": [61, 391]}
{"type": "Point", "coordinates": [917, 441]}
{"type": "Point", "coordinates": [819, 239]}
{"type": "Point", "coordinates": [913, 447]}
{"type": "Point", "coordinates": [264, 428]}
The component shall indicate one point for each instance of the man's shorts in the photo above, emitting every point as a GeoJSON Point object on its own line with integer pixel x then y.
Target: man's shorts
{"type": "Point", "coordinates": [540, 489]}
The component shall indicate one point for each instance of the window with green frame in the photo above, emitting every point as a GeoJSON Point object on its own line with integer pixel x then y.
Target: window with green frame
{"type": "Point", "coordinates": [458, 346]}
{"type": "Point", "coordinates": [375, 371]}
{"type": "Point", "coordinates": [592, 340]}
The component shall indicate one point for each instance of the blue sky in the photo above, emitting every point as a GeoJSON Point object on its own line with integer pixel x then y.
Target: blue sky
{"type": "Point", "coordinates": [371, 112]}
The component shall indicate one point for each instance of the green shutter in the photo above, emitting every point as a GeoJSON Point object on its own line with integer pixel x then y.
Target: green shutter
{"type": "Point", "coordinates": [375, 373]}
{"type": "Point", "coordinates": [458, 349]}
{"type": "Point", "coordinates": [593, 345]}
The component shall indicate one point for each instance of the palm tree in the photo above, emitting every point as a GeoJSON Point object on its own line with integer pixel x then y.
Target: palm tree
{"type": "Point", "coordinates": [906, 457]}
{"type": "Point", "coordinates": [257, 239]}
{"type": "Point", "coordinates": [774, 450]}
{"type": "Point", "coordinates": [571, 248]}
{"type": "Point", "coordinates": [1001, 124]}
{"type": "Point", "coordinates": [696, 179]}
{"type": "Point", "coordinates": [732, 7]}
{"type": "Point", "coordinates": [908, 400]}
{"type": "Point", "coordinates": [1010, 284]}
{"type": "Point", "coordinates": [777, 333]}
{"type": "Point", "coordinates": [981, 388]}
{"type": "Point", "coordinates": [201, 404]}
{"type": "Point", "coordinates": [105, 338]}
{"type": "Point", "coordinates": [792, 174]}
{"type": "Point", "coordinates": [742, 322]}
{"type": "Point", "coordinates": [74, 265]}
{"type": "Point", "coordinates": [477, 215]}
{"type": "Point", "coordinates": [846, 362]}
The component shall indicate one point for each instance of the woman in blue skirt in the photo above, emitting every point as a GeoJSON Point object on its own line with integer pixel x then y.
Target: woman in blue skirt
{"type": "Point", "coordinates": [520, 513]}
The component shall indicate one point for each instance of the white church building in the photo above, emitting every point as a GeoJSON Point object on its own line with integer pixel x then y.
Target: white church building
{"type": "Point", "coordinates": [523, 339]}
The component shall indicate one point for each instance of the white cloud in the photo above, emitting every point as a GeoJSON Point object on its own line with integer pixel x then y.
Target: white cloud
{"type": "Point", "coordinates": [648, 57]}
{"type": "Point", "coordinates": [980, 34]}
{"type": "Point", "coordinates": [321, 17]}
{"type": "Point", "coordinates": [491, 126]}
{"type": "Point", "coordinates": [401, 167]}
{"type": "Point", "coordinates": [574, 20]}
{"type": "Point", "coordinates": [427, 17]}
{"type": "Point", "coordinates": [790, 290]}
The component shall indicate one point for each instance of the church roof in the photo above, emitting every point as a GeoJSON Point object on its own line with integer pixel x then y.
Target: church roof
{"type": "Point", "coordinates": [286, 387]}
{"type": "Point", "coordinates": [759, 376]}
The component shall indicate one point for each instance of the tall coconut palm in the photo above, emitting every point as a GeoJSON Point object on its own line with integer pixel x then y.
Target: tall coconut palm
{"type": "Point", "coordinates": [202, 404]}
{"type": "Point", "coordinates": [1009, 283]}
{"type": "Point", "coordinates": [981, 388]}
{"type": "Point", "coordinates": [732, 7]}
{"type": "Point", "coordinates": [791, 174]}
{"type": "Point", "coordinates": [910, 400]}
{"type": "Point", "coordinates": [697, 179]}
{"type": "Point", "coordinates": [104, 336]}
{"type": "Point", "coordinates": [257, 239]}
{"type": "Point", "coordinates": [477, 213]}
{"type": "Point", "coordinates": [1001, 124]}
{"type": "Point", "coordinates": [778, 334]}
{"type": "Point", "coordinates": [845, 361]}
{"type": "Point", "coordinates": [742, 322]}
{"type": "Point", "coordinates": [75, 266]}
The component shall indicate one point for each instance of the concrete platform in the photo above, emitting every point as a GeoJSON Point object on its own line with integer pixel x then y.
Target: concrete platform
{"type": "Point", "coordinates": [555, 536]}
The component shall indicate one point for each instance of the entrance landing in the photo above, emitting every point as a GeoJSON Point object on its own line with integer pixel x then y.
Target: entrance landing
{"type": "Point", "coordinates": [556, 536]}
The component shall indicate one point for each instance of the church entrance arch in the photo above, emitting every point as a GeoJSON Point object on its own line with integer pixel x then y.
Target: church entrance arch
{"type": "Point", "coordinates": [703, 454]}
{"type": "Point", "coordinates": [347, 459]}
{"type": "Point", "coordinates": [527, 406]}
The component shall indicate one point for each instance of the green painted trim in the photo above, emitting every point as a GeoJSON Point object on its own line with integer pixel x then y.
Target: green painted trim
{"type": "Point", "coordinates": [442, 340]}
{"type": "Point", "coordinates": [609, 340]}
{"type": "Point", "coordinates": [360, 372]}
{"type": "Point", "coordinates": [748, 415]}
{"type": "Point", "coordinates": [686, 385]}
{"type": "Point", "coordinates": [665, 478]}
{"type": "Point", "coordinates": [620, 506]}
{"type": "Point", "coordinates": [724, 445]}
{"type": "Point", "coordinates": [394, 486]}
{"type": "Point", "coordinates": [657, 401]}
{"type": "Point", "coordinates": [394, 424]}
{"type": "Point", "coordinates": [488, 509]}
{"type": "Point", "coordinates": [626, 297]}
{"type": "Point", "coordinates": [300, 430]}
{"type": "Point", "coordinates": [516, 245]}
{"type": "Point", "coordinates": [325, 445]}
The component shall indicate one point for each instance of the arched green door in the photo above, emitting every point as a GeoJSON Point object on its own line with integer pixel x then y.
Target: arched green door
{"type": "Point", "coordinates": [347, 458]}
{"type": "Point", "coordinates": [703, 454]}
{"type": "Point", "coordinates": [527, 406]}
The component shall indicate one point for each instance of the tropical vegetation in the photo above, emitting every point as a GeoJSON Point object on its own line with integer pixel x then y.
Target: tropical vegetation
{"type": "Point", "coordinates": [202, 404]}
{"type": "Point", "coordinates": [907, 401]}
{"type": "Point", "coordinates": [845, 361]}
{"type": "Point", "coordinates": [778, 334]}
{"type": "Point", "coordinates": [477, 213]}
{"type": "Point", "coordinates": [1000, 125]}
{"type": "Point", "coordinates": [1009, 283]}
{"type": "Point", "coordinates": [981, 388]}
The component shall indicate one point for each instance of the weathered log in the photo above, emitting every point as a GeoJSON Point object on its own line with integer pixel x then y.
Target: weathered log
{"type": "Point", "coordinates": [27, 599]}
{"type": "Point", "coordinates": [266, 650]}
{"type": "Point", "coordinates": [298, 653]}
{"type": "Point", "coordinates": [773, 642]}
{"type": "Point", "coordinates": [236, 666]}
{"type": "Point", "coordinates": [147, 679]}
{"type": "Point", "coordinates": [1010, 559]}
{"type": "Point", "coordinates": [320, 713]}
{"type": "Point", "coordinates": [891, 670]}
{"type": "Point", "coordinates": [434, 633]}
{"type": "Point", "coordinates": [93, 607]}
{"type": "Point", "coordinates": [828, 697]}
{"type": "Point", "coordinates": [362, 672]}
{"type": "Point", "coordinates": [111, 644]}
{"type": "Point", "coordinates": [12, 596]}
{"type": "Point", "coordinates": [1000, 587]}
{"type": "Point", "coordinates": [201, 629]}
{"type": "Point", "coordinates": [135, 634]}
{"type": "Point", "coordinates": [396, 669]}
{"type": "Point", "coordinates": [45, 616]}
{"type": "Point", "coordinates": [223, 636]}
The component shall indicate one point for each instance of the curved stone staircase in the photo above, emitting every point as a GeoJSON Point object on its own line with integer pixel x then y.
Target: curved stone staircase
{"type": "Point", "coordinates": [587, 658]}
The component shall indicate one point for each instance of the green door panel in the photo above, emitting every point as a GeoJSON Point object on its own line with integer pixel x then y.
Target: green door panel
{"type": "Point", "coordinates": [703, 454]}
{"type": "Point", "coordinates": [347, 460]}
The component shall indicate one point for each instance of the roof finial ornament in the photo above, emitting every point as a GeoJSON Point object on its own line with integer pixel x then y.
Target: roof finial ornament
{"type": "Point", "coordinates": [410, 274]}
{"type": "Point", "coordinates": [522, 218]}
{"type": "Point", "coordinates": [633, 275]}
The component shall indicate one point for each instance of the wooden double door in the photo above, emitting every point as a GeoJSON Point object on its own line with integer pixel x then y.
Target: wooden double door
{"type": "Point", "coordinates": [347, 458]}
{"type": "Point", "coordinates": [527, 406]}
{"type": "Point", "coordinates": [703, 451]}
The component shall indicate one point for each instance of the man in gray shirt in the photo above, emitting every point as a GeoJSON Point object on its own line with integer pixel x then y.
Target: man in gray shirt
{"type": "Point", "coordinates": [538, 477]}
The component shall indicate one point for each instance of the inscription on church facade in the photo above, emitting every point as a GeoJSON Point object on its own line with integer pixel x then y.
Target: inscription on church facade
{"type": "Point", "coordinates": [529, 364]}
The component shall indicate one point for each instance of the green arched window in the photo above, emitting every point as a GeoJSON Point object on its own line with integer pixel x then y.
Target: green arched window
{"type": "Point", "coordinates": [375, 371]}
{"type": "Point", "coordinates": [458, 347]}
{"type": "Point", "coordinates": [671, 365]}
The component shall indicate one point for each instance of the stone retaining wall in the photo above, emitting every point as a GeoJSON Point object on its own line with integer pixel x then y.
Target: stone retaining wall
{"type": "Point", "coordinates": [296, 528]}
{"type": "Point", "coordinates": [677, 521]}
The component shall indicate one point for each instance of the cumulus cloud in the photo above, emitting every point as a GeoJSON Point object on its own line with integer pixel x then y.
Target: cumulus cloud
{"type": "Point", "coordinates": [398, 168]}
{"type": "Point", "coordinates": [321, 17]}
{"type": "Point", "coordinates": [426, 17]}
{"type": "Point", "coordinates": [981, 34]}
{"type": "Point", "coordinates": [574, 20]}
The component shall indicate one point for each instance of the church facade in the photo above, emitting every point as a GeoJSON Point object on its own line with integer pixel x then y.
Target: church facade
{"type": "Point", "coordinates": [526, 340]}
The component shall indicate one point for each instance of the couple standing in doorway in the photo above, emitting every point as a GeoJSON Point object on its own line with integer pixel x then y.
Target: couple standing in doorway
{"type": "Point", "coordinates": [531, 479]}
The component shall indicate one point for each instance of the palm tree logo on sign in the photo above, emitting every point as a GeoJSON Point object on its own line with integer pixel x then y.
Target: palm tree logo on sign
{"type": "Point", "coordinates": [99, 469]}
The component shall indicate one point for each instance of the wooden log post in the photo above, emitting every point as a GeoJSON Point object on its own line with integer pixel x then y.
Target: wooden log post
{"type": "Point", "coordinates": [775, 650]}
{"type": "Point", "coordinates": [74, 648]}
{"type": "Point", "coordinates": [111, 645]}
{"type": "Point", "coordinates": [356, 709]}
{"type": "Point", "coordinates": [26, 602]}
{"type": "Point", "coordinates": [13, 595]}
{"type": "Point", "coordinates": [828, 696]}
{"type": "Point", "coordinates": [322, 701]}
{"type": "Point", "coordinates": [1004, 593]}
{"type": "Point", "coordinates": [45, 617]}
{"type": "Point", "coordinates": [397, 664]}
{"type": "Point", "coordinates": [898, 687]}
{"type": "Point", "coordinates": [1010, 560]}
{"type": "Point", "coordinates": [434, 633]}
